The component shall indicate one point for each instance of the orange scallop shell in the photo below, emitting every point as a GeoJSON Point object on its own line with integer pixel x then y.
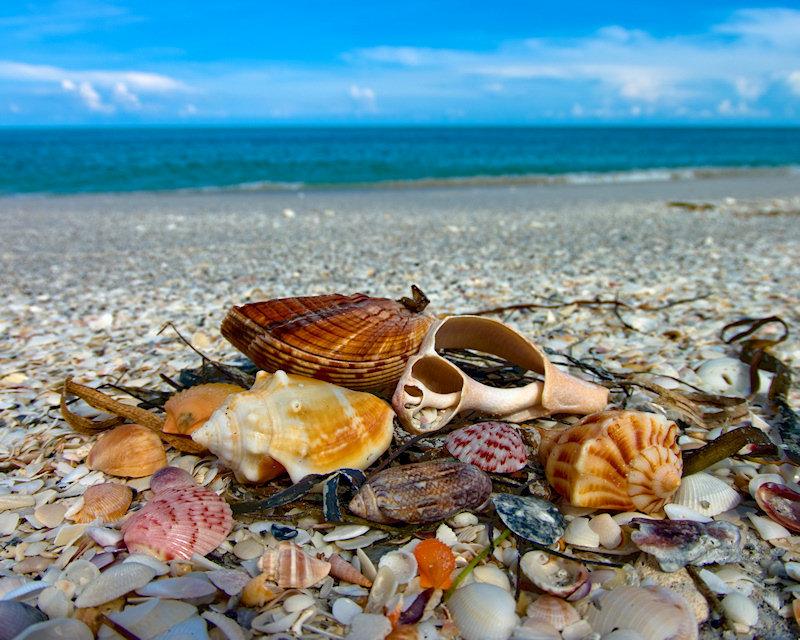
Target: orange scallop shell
{"type": "Point", "coordinates": [436, 564]}
{"type": "Point", "coordinates": [354, 341]}
{"type": "Point", "coordinates": [128, 451]}
{"type": "Point", "coordinates": [108, 501]}
{"type": "Point", "coordinates": [189, 409]}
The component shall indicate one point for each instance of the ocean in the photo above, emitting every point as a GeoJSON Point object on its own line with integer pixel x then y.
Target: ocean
{"type": "Point", "coordinates": [77, 160]}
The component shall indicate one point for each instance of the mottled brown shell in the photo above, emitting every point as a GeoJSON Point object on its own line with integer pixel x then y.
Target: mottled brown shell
{"type": "Point", "coordinates": [354, 341]}
{"type": "Point", "coordinates": [422, 492]}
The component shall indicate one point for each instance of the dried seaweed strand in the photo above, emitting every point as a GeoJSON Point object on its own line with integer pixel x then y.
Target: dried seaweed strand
{"type": "Point", "coordinates": [726, 445]}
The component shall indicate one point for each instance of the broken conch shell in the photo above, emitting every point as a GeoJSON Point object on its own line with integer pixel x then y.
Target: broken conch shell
{"type": "Point", "coordinates": [432, 390]}
{"type": "Point", "coordinates": [297, 423]}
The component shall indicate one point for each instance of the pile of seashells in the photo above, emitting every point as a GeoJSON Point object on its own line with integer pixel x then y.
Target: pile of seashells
{"type": "Point", "coordinates": [526, 527]}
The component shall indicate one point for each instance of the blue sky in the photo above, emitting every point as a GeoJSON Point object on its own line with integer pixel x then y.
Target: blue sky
{"type": "Point", "coordinates": [500, 62]}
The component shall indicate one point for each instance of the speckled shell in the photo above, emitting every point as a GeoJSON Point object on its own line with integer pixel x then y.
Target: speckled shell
{"type": "Point", "coordinates": [107, 501]}
{"type": "Point", "coordinates": [302, 424]}
{"type": "Point", "coordinates": [422, 492]}
{"type": "Point", "coordinates": [290, 567]}
{"type": "Point", "coordinates": [491, 446]}
{"type": "Point", "coordinates": [354, 341]}
{"type": "Point", "coordinates": [189, 409]}
{"type": "Point", "coordinates": [621, 460]}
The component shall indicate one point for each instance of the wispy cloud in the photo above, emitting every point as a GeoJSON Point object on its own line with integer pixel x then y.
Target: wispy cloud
{"type": "Point", "coordinates": [44, 20]}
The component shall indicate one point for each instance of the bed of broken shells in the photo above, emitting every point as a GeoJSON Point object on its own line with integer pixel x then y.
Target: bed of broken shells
{"type": "Point", "coordinates": [62, 317]}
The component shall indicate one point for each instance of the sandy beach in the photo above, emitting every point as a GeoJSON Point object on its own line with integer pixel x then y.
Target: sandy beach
{"type": "Point", "coordinates": [88, 280]}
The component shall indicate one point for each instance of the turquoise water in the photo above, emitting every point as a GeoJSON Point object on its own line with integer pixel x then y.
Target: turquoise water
{"type": "Point", "coordinates": [100, 160]}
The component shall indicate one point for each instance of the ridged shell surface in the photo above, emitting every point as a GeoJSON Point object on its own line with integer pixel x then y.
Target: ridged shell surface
{"type": "Point", "coordinates": [107, 501]}
{"type": "Point", "coordinates": [483, 611]}
{"type": "Point", "coordinates": [706, 494]}
{"type": "Point", "coordinates": [355, 341]}
{"type": "Point", "coordinates": [554, 611]}
{"type": "Point", "coordinates": [491, 446]}
{"type": "Point", "coordinates": [422, 492]}
{"type": "Point", "coordinates": [305, 425]}
{"type": "Point", "coordinates": [127, 451]}
{"type": "Point", "coordinates": [620, 460]}
{"type": "Point", "coordinates": [290, 567]}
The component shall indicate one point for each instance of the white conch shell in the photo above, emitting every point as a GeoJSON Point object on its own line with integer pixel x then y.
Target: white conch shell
{"type": "Point", "coordinates": [306, 425]}
{"type": "Point", "coordinates": [432, 390]}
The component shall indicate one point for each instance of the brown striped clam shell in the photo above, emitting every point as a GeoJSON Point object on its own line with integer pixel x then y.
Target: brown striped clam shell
{"type": "Point", "coordinates": [108, 501]}
{"type": "Point", "coordinates": [422, 492]}
{"type": "Point", "coordinates": [354, 341]}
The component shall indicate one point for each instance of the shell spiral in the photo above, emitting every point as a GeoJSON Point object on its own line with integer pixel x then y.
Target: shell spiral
{"type": "Point", "coordinates": [623, 460]}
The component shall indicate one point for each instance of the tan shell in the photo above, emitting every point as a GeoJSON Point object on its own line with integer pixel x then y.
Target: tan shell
{"type": "Point", "coordinates": [128, 451]}
{"type": "Point", "coordinates": [108, 502]}
{"type": "Point", "coordinates": [343, 570]}
{"type": "Point", "coordinates": [354, 341]}
{"type": "Point", "coordinates": [290, 567]}
{"type": "Point", "coordinates": [554, 611]}
{"type": "Point", "coordinates": [621, 460]}
{"type": "Point", "coordinates": [189, 409]}
{"type": "Point", "coordinates": [256, 592]}
{"type": "Point", "coordinates": [306, 425]}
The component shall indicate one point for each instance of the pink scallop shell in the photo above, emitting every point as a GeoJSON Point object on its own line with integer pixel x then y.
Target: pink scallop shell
{"type": "Point", "coordinates": [491, 446]}
{"type": "Point", "coordinates": [178, 523]}
{"type": "Point", "coordinates": [170, 478]}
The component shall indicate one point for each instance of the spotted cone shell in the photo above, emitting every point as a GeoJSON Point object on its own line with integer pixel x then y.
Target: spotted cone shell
{"type": "Point", "coordinates": [179, 521]}
{"type": "Point", "coordinates": [107, 501]}
{"type": "Point", "coordinates": [189, 409]}
{"type": "Point", "coordinates": [290, 567]}
{"type": "Point", "coordinates": [491, 446]}
{"type": "Point", "coordinates": [354, 341]}
{"type": "Point", "coordinates": [621, 460]}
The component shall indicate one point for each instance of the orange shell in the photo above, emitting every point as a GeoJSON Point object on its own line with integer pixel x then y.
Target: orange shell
{"type": "Point", "coordinates": [436, 564]}
{"type": "Point", "coordinates": [108, 501]}
{"type": "Point", "coordinates": [622, 460]}
{"type": "Point", "coordinates": [353, 341]}
{"type": "Point", "coordinates": [128, 451]}
{"type": "Point", "coordinates": [189, 409]}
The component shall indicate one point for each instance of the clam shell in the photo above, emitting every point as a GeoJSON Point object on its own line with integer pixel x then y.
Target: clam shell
{"type": "Point", "coordinates": [578, 532]}
{"type": "Point", "coordinates": [115, 582]}
{"type": "Point", "coordinates": [422, 492]}
{"type": "Point", "coordinates": [554, 611]}
{"type": "Point", "coordinates": [128, 451]}
{"type": "Point", "coordinates": [557, 576]}
{"type": "Point", "coordinates": [656, 613]}
{"type": "Point", "coordinates": [107, 502]}
{"type": "Point", "coordinates": [189, 409]}
{"type": "Point", "coordinates": [780, 503]}
{"type": "Point", "coordinates": [620, 460]}
{"type": "Point", "coordinates": [305, 425]}
{"type": "Point", "coordinates": [483, 611]}
{"type": "Point", "coordinates": [609, 532]}
{"type": "Point", "coordinates": [289, 566]}
{"type": "Point", "coordinates": [15, 617]}
{"type": "Point", "coordinates": [706, 494]}
{"type": "Point", "coordinates": [491, 446]}
{"type": "Point", "coordinates": [739, 608]}
{"type": "Point", "coordinates": [532, 518]}
{"type": "Point", "coordinates": [353, 341]}
{"type": "Point", "coordinates": [402, 564]}
{"type": "Point", "coordinates": [57, 629]}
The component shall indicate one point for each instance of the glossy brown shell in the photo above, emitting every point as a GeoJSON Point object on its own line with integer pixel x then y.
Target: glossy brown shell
{"type": "Point", "coordinates": [354, 341]}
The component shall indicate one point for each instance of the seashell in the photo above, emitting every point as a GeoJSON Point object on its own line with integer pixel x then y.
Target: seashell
{"type": "Point", "coordinates": [189, 409]}
{"type": "Point", "coordinates": [354, 341]}
{"type": "Point", "coordinates": [532, 518]}
{"type": "Point", "coordinates": [738, 608]}
{"type": "Point", "coordinates": [492, 446]}
{"type": "Point", "coordinates": [655, 612]}
{"type": "Point", "coordinates": [730, 377]}
{"type": "Point", "coordinates": [289, 566]}
{"type": "Point", "coordinates": [230, 628]}
{"type": "Point", "coordinates": [16, 501]}
{"type": "Point", "coordinates": [105, 502]}
{"type": "Point", "coordinates": [402, 564]}
{"type": "Point", "coordinates": [15, 617]}
{"type": "Point", "coordinates": [115, 582]}
{"type": "Point", "coordinates": [492, 574]}
{"type": "Point", "coordinates": [127, 451]}
{"type": "Point", "coordinates": [780, 503]}
{"type": "Point", "coordinates": [534, 630]}
{"type": "Point", "coordinates": [369, 626]}
{"type": "Point", "coordinates": [706, 494]}
{"type": "Point", "coordinates": [57, 629]}
{"type": "Point", "coordinates": [178, 523]}
{"type": "Point", "coordinates": [50, 515]}
{"type": "Point", "coordinates": [180, 588]}
{"type": "Point", "coordinates": [676, 543]}
{"type": "Point", "coordinates": [620, 460]}
{"type": "Point", "coordinates": [231, 581]}
{"type": "Point", "coordinates": [557, 576]}
{"type": "Point", "coordinates": [344, 610]}
{"type": "Point", "coordinates": [623, 634]}
{"type": "Point", "coordinates": [55, 603]}
{"type": "Point", "coordinates": [483, 612]}
{"type": "Point", "coordinates": [580, 630]}
{"type": "Point", "coordinates": [422, 492]}
{"type": "Point", "coordinates": [763, 478]}
{"type": "Point", "coordinates": [554, 611]}
{"type": "Point", "coordinates": [768, 529]}
{"type": "Point", "coordinates": [679, 512]}
{"type": "Point", "coordinates": [383, 588]}
{"type": "Point", "coordinates": [609, 532]}
{"type": "Point", "coordinates": [345, 532]}
{"type": "Point", "coordinates": [256, 593]}
{"type": "Point", "coordinates": [161, 568]}
{"type": "Point", "coordinates": [304, 425]}
{"type": "Point", "coordinates": [578, 532]}
{"type": "Point", "coordinates": [171, 478]}
{"type": "Point", "coordinates": [343, 570]}
{"type": "Point", "coordinates": [432, 390]}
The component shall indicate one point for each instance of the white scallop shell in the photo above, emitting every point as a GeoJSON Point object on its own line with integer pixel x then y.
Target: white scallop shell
{"type": "Point", "coordinates": [483, 611]}
{"type": "Point", "coordinates": [607, 529]}
{"type": "Point", "coordinates": [739, 608]}
{"type": "Point", "coordinates": [578, 532]}
{"type": "Point", "coordinates": [714, 582]}
{"type": "Point", "coordinates": [706, 494]}
{"type": "Point", "coordinates": [492, 574]}
{"type": "Point", "coordinates": [554, 611]}
{"type": "Point", "coordinates": [730, 377]}
{"type": "Point", "coordinates": [402, 564]}
{"type": "Point", "coordinates": [768, 529]}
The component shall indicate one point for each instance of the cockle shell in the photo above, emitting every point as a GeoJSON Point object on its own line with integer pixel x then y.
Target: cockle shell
{"type": "Point", "coordinates": [422, 492]}
{"type": "Point", "coordinates": [620, 460]}
{"type": "Point", "coordinates": [706, 494]}
{"type": "Point", "coordinates": [354, 341]}
{"type": "Point", "coordinates": [491, 446]}
{"type": "Point", "coordinates": [554, 611]}
{"type": "Point", "coordinates": [557, 576]}
{"type": "Point", "coordinates": [305, 425]}
{"type": "Point", "coordinates": [483, 611]}
{"type": "Point", "coordinates": [128, 451]}
{"type": "Point", "coordinates": [290, 567]}
{"type": "Point", "coordinates": [179, 521]}
{"type": "Point", "coordinates": [107, 501]}
{"type": "Point", "coordinates": [189, 409]}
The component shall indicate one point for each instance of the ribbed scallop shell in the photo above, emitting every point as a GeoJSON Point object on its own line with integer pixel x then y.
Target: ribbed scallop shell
{"type": "Point", "coordinates": [706, 494]}
{"type": "Point", "coordinates": [622, 460]}
{"type": "Point", "coordinates": [290, 567]}
{"type": "Point", "coordinates": [483, 611]}
{"type": "Point", "coordinates": [491, 446]}
{"type": "Point", "coordinates": [189, 409]}
{"type": "Point", "coordinates": [554, 611]}
{"type": "Point", "coordinates": [655, 612]}
{"type": "Point", "coordinates": [127, 451]}
{"type": "Point", "coordinates": [179, 522]}
{"type": "Point", "coordinates": [305, 425]}
{"type": "Point", "coordinates": [107, 501]}
{"type": "Point", "coordinates": [354, 341]}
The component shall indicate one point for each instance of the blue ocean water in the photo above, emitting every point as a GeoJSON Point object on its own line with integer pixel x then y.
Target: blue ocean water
{"type": "Point", "coordinates": [134, 159]}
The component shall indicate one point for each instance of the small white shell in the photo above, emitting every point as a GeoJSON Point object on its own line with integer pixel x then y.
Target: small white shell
{"type": "Point", "coordinates": [580, 630]}
{"type": "Point", "coordinates": [367, 626]}
{"type": "Point", "coordinates": [345, 532]}
{"type": "Point", "coordinates": [607, 529]}
{"type": "Point", "coordinates": [681, 512]}
{"type": "Point", "coordinates": [740, 609]}
{"type": "Point", "coordinates": [446, 535]}
{"type": "Point", "coordinates": [578, 532]}
{"type": "Point", "coordinates": [714, 582]}
{"type": "Point", "coordinates": [492, 574]}
{"type": "Point", "coordinates": [793, 570]}
{"type": "Point", "coordinates": [463, 519]}
{"type": "Point", "coordinates": [730, 377]}
{"type": "Point", "coordinates": [533, 630]}
{"type": "Point", "coordinates": [344, 610]}
{"type": "Point", "coordinates": [115, 582]}
{"type": "Point", "coordinates": [706, 494]}
{"type": "Point", "coordinates": [383, 587]}
{"type": "Point", "coordinates": [483, 611]}
{"type": "Point", "coordinates": [761, 478]}
{"type": "Point", "coordinates": [402, 564]}
{"type": "Point", "coordinates": [554, 611]}
{"type": "Point", "coordinates": [768, 529]}
{"type": "Point", "coordinates": [57, 628]}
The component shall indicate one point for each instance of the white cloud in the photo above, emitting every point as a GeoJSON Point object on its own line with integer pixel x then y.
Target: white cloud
{"type": "Point", "coordinates": [126, 97]}
{"type": "Point", "coordinates": [364, 96]}
{"type": "Point", "coordinates": [793, 80]}
{"type": "Point", "coordinates": [749, 88]}
{"type": "Point", "coordinates": [778, 26]}
{"type": "Point", "coordinates": [88, 95]}
{"type": "Point", "coordinates": [187, 110]}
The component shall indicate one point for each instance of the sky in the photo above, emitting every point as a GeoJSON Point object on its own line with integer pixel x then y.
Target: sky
{"type": "Point", "coordinates": [505, 62]}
